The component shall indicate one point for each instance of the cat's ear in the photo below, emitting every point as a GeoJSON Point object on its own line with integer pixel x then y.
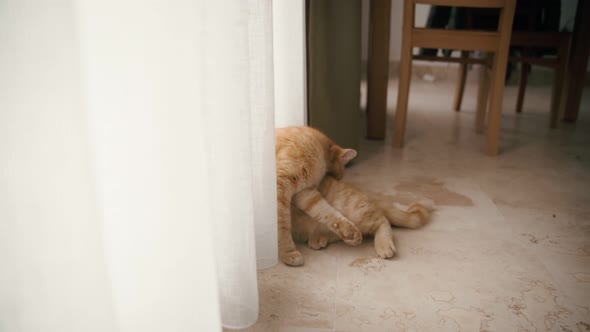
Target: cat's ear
{"type": "Point", "coordinates": [347, 155]}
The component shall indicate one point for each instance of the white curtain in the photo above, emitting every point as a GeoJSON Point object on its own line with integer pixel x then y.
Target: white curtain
{"type": "Point", "coordinates": [137, 188]}
{"type": "Point", "coordinates": [290, 63]}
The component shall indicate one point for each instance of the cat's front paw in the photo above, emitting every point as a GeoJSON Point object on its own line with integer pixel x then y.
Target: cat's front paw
{"type": "Point", "coordinates": [317, 243]}
{"type": "Point", "coordinates": [348, 232]}
{"type": "Point", "coordinates": [385, 248]}
{"type": "Point", "coordinates": [291, 257]}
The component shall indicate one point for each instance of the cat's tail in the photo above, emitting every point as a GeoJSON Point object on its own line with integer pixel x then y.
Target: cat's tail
{"type": "Point", "coordinates": [415, 216]}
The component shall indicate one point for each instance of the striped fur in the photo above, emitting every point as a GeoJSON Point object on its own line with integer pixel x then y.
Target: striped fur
{"type": "Point", "coordinates": [373, 215]}
{"type": "Point", "coordinates": [304, 156]}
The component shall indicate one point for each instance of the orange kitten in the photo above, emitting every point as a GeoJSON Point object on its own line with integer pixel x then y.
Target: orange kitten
{"type": "Point", "coordinates": [304, 156]}
{"type": "Point", "coordinates": [373, 216]}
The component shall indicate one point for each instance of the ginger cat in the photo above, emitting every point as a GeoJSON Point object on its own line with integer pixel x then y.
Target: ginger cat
{"type": "Point", "coordinates": [303, 157]}
{"type": "Point", "coordinates": [372, 215]}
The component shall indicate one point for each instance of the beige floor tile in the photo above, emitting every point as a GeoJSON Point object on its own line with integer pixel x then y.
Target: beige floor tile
{"type": "Point", "coordinates": [507, 249]}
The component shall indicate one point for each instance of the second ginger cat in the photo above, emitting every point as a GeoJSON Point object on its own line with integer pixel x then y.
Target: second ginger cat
{"type": "Point", "coordinates": [373, 214]}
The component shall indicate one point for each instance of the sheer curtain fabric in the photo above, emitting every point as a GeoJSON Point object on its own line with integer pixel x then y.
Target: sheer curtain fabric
{"type": "Point", "coordinates": [137, 179]}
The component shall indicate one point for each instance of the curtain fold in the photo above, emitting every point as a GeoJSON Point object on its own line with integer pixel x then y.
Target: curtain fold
{"type": "Point", "coordinates": [240, 127]}
{"type": "Point", "coordinates": [289, 63]}
{"type": "Point", "coordinates": [142, 81]}
{"type": "Point", "coordinates": [53, 275]}
{"type": "Point", "coordinates": [262, 111]}
{"type": "Point", "coordinates": [137, 176]}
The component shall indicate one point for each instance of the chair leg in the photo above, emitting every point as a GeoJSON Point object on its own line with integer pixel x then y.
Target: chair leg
{"type": "Point", "coordinates": [525, 68]}
{"type": "Point", "coordinates": [498, 78]}
{"type": "Point", "coordinates": [482, 98]}
{"type": "Point", "coordinates": [495, 111]}
{"type": "Point", "coordinates": [555, 99]}
{"type": "Point", "coordinates": [405, 71]}
{"type": "Point", "coordinates": [558, 84]}
{"type": "Point", "coordinates": [460, 89]}
{"type": "Point", "coordinates": [402, 99]}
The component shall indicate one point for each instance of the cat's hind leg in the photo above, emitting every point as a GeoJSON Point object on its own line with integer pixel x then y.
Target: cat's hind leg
{"type": "Point", "coordinates": [384, 240]}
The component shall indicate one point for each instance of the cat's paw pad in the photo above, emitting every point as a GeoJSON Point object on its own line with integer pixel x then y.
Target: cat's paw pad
{"type": "Point", "coordinates": [318, 242]}
{"type": "Point", "coordinates": [292, 258]}
{"type": "Point", "coordinates": [348, 232]}
{"type": "Point", "coordinates": [385, 249]}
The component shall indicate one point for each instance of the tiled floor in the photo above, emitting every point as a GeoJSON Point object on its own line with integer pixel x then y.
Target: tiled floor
{"type": "Point", "coordinates": [507, 249]}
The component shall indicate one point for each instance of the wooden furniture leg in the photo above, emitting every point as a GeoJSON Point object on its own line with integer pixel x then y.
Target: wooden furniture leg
{"type": "Point", "coordinates": [482, 98]}
{"type": "Point", "coordinates": [498, 76]}
{"type": "Point", "coordinates": [525, 69]}
{"type": "Point", "coordinates": [497, 42]}
{"type": "Point", "coordinates": [378, 68]}
{"type": "Point", "coordinates": [404, 75]}
{"type": "Point", "coordinates": [558, 83]}
{"type": "Point", "coordinates": [578, 61]}
{"type": "Point", "coordinates": [461, 82]}
{"type": "Point", "coordinates": [559, 41]}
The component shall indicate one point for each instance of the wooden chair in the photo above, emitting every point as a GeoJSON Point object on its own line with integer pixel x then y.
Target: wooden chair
{"type": "Point", "coordinates": [496, 42]}
{"type": "Point", "coordinates": [556, 40]}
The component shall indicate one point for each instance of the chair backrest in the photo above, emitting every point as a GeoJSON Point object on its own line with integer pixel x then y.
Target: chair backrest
{"type": "Point", "coordinates": [467, 40]}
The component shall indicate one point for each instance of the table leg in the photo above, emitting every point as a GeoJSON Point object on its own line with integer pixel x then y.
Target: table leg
{"type": "Point", "coordinates": [378, 68]}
